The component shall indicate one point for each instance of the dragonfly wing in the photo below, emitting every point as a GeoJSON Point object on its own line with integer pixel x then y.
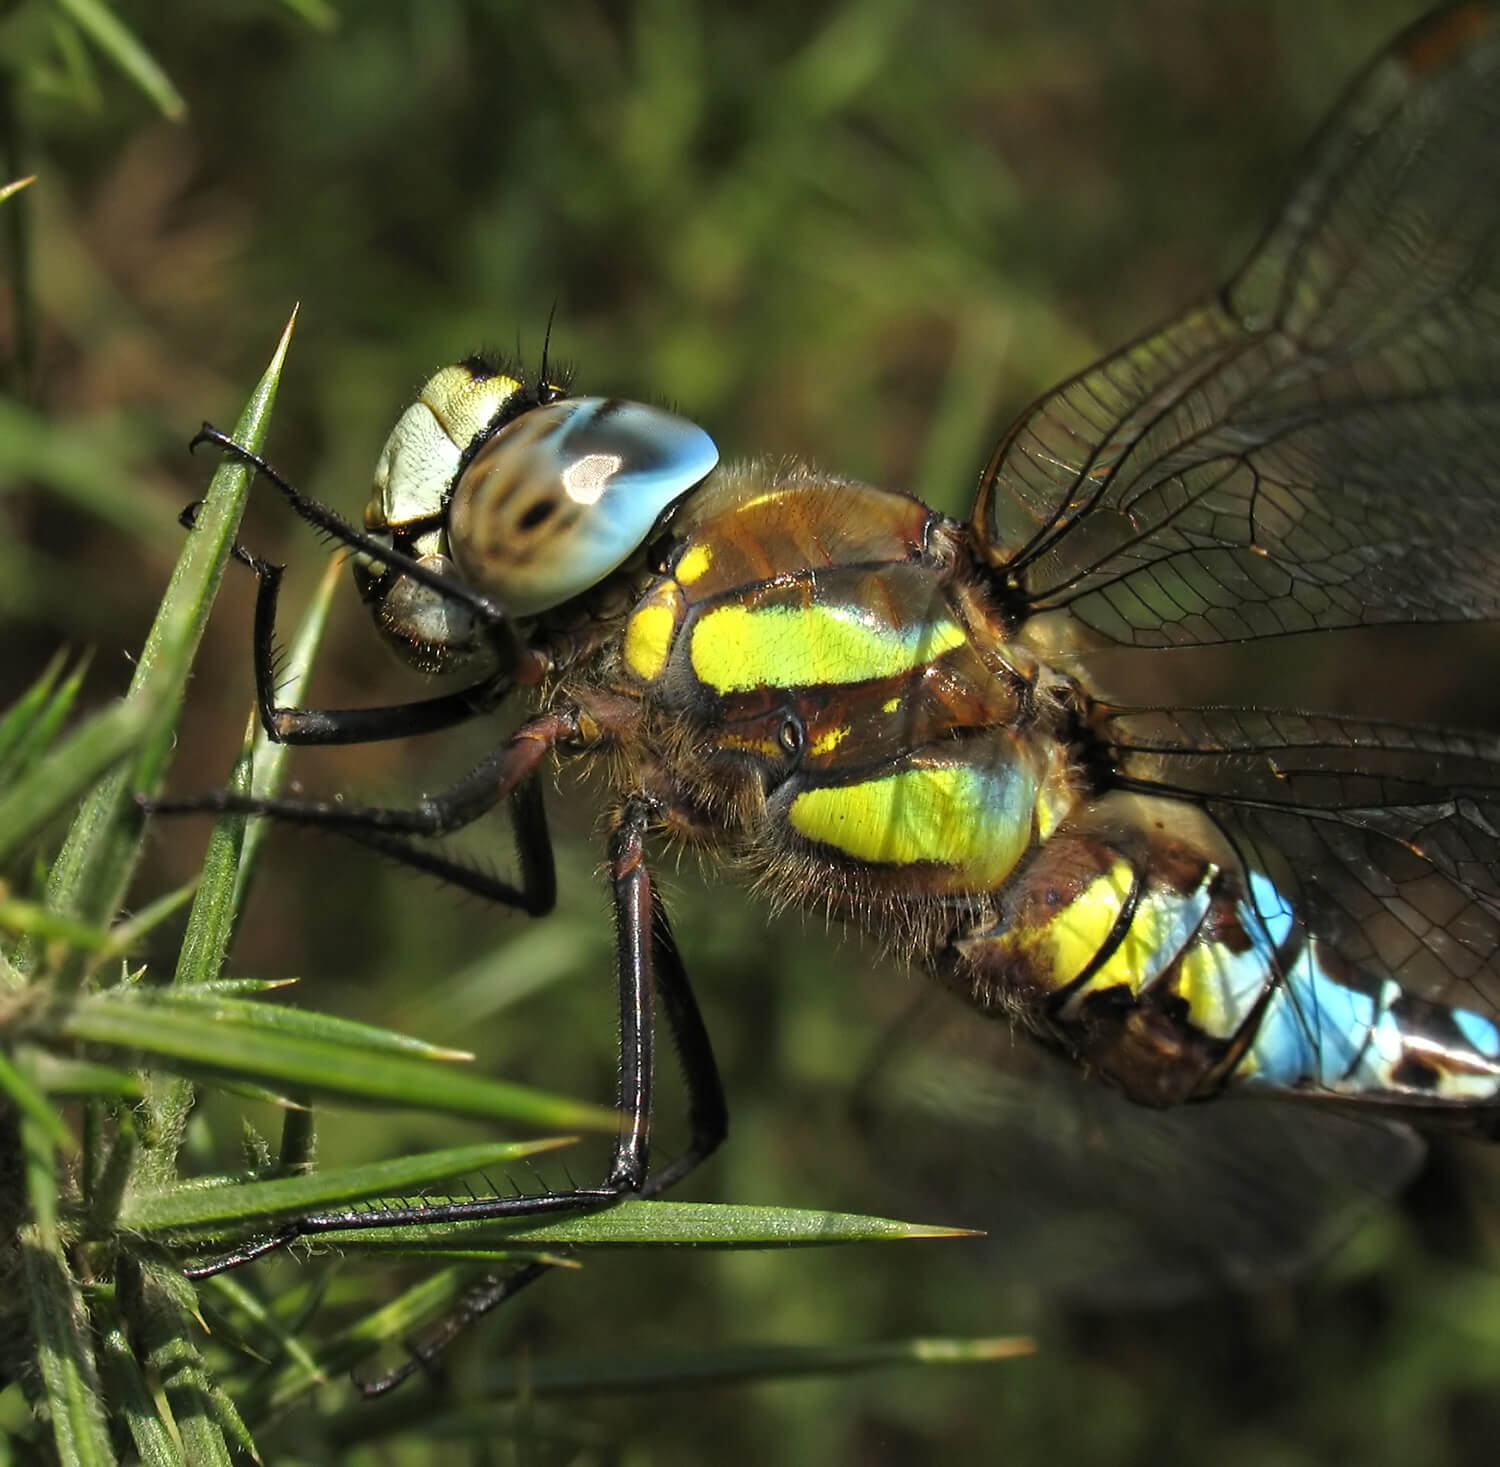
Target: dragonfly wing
{"type": "Point", "coordinates": [1316, 447]}
{"type": "Point", "coordinates": [1090, 1199]}
{"type": "Point", "coordinates": [1385, 837]}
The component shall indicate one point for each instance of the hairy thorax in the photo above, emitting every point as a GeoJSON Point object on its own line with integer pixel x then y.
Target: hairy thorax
{"type": "Point", "coordinates": [810, 682]}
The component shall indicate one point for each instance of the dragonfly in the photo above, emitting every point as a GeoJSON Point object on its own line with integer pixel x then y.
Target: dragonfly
{"type": "Point", "coordinates": [915, 724]}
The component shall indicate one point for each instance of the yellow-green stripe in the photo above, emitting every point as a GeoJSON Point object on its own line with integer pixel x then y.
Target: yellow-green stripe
{"type": "Point", "coordinates": [736, 649]}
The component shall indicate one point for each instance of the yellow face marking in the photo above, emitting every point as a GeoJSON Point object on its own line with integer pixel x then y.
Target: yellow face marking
{"type": "Point", "coordinates": [891, 705]}
{"type": "Point", "coordinates": [977, 822]}
{"type": "Point", "coordinates": [826, 743]}
{"type": "Point", "coordinates": [648, 638]}
{"type": "Point", "coordinates": [737, 649]}
{"type": "Point", "coordinates": [694, 563]}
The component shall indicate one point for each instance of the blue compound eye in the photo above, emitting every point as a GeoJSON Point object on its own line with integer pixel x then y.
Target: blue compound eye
{"type": "Point", "coordinates": [566, 494]}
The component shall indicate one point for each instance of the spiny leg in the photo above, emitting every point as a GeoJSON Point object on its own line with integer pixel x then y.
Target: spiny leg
{"type": "Point", "coordinates": [708, 1112]}
{"type": "Point", "coordinates": [510, 651]}
{"type": "Point", "coordinates": [638, 934]}
{"type": "Point", "coordinates": [504, 773]}
{"type": "Point", "coordinates": [291, 725]}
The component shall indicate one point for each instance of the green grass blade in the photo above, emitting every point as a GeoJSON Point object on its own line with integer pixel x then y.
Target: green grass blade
{"type": "Point", "coordinates": [31, 1102]}
{"type": "Point", "coordinates": [158, 1306]}
{"type": "Point", "coordinates": [57, 782]}
{"type": "Point", "coordinates": [72, 1079]}
{"type": "Point", "coordinates": [222, 1208]}
{"type": "Point", "coordinates": [242, 1310]}
{"type": "Point", "coordinates": [93, 870]}
{"type": "Point", "coordinates": [131, 1394]}
{"type": "Point", "coordinates": [32, 919]}
{"type": "Point", "coordinates": [105, 29]}
{"type": "Point", "coordinates": [746, 1365]}
{"type": "Point", "coordinates": [220, 1004]}
{"type": "Point", "coordinates": [25, 713]}
{"type": "Point", "coordinates": [210, 924]}
{"type": "Point", "coordinates": [59, 1322]}
{"type": "Point", "coordinates": [271, 1046]}
{"type": "Point", "coordinates": [205, 941]}
{"type": "Point", "coordinates": [224, 882]}
{"type": "Point", "coordinates": [42, 731]}
{"type": "Point", "coordinates": [646, 1225]}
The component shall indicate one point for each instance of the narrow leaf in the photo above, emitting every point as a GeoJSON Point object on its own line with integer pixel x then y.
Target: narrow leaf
{"type": "Point", "coordinates": [648, 1224]}
{"type": "Point", "coordinates": [27, 1098]}
{"type": "Point", "coordinates": [112, 37]}
{"type": "Point", "coordinates": [93, 870]}
{"type": "Point", "coordinates": [253, 1202]}
{"type": "Point", "coordinates": [71, 768]}
{"type": "Point", "coordinates": [256, 1044]}
{"type": "Point", "coordinates": [743, 1366]}
{"type": "Point", "coordinates": [60, 1326]}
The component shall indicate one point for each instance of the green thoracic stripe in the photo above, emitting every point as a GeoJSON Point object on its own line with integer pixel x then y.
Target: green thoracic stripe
{"type": "Point", "coordinates": [978, 822]}
{"type": "Point", "coordinates": [736, 649]}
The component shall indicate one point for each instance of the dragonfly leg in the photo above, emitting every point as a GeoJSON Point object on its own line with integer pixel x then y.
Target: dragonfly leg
{"type": "Point", "coordinates": [644, 951]}
{"type": "Point", "coordinates": [291, 725]}
{"type": "Point", "coordinates": [708, 1112]}
{"type": "Point", "coordinates": [510, 652]}
{"type": "Point", "coordinates": [509, 772]}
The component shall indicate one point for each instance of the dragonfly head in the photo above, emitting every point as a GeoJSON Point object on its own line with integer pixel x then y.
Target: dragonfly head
{"type": "Point", "coordinates": [519, 492]}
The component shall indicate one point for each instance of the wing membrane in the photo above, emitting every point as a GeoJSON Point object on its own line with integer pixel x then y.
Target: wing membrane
{"type": "Point", "coordinates": [1316, 448]}
{"type": "Point", "coordinates": [1087, 1197]}
{"type": "Point", "coordinates": [1386, 837]}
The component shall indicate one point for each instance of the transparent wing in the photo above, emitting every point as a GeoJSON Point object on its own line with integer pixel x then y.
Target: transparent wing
{"type": "Point", "coordinates": [1387, 836]}
{"type": "Point", "coordinates": [1088, 1198]}
{"type": "Point", "coordinates": [1317, 447]}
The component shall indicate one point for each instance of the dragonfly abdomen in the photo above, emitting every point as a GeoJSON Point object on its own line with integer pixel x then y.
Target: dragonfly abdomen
{"type": "Point", "coordinates": [1139, 938]}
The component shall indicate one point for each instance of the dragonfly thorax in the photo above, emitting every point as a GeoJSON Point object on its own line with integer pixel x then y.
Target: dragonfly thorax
{"type": "Point", "coordinates": [812, 683]}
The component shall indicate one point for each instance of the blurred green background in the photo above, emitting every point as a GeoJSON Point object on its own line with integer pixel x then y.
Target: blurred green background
{"type": "Point", "coordinates": [867, 234]}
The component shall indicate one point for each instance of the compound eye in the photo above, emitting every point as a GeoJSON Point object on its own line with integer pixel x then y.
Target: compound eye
{"type": "Point", "coordinates": [566, 494]}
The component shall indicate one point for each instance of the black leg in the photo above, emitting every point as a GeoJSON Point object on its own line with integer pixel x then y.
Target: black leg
{"type": "Point", "coordinates": [511, 653]}
{"type": "Point", "coordinates": [500, 775]}
{"type": "Point", "coordinates": [288, 725]}
{"type": "Point", "coordinates": [633, 903]}
{"type": "Point", "coordinates": [708, 1120]}
{"type": "Point", "coordinates": [536, 895]}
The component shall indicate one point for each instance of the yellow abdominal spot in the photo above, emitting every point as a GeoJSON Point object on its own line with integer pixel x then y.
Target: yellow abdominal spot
{"type": "Point", "coordinates": [1084, 925]}
{"type": "Point", "coordinates": [891, 705]}
{"type": "Point", "coordinates": [694, 563]}
{"type": "Point", "coordinates": [1062, 948]}
{"type": "Point", "coordinates": [976, 822]}
{"type": "Point", "coordinates": [1219, 987]}
{"type": "Point", "coordinates": [648, 639]}
{"type": "Point", "coordinates": [1163, 920]}
{"type": "Point", "coordinates": [737, 649]}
